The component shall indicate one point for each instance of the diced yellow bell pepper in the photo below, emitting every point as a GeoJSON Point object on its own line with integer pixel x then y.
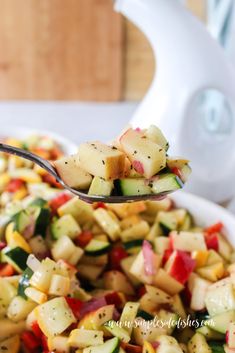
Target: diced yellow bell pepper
{"type": "Point", "coordinates": [148, 348]}
{"type": "Point", "coordinates": [200, 257]}
{"type": "Point", "coordinates": [15, 162]}
{"type": "Point", "coordinates": [15, 239]}
{"type": "Point", "coordinates": [213, 272]}
{"type": "Point", "coordinates": [13, 142]}
{"type": "Point", "coordinates": [20, 194]}
{"type": "Point", "coordinates": [4, 180]}
{"type": "Point", "coordinates": [39, 170]}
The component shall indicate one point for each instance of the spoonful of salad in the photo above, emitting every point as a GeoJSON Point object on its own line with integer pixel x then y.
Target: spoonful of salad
{"type": "Point", "coordinates": [134, 167]}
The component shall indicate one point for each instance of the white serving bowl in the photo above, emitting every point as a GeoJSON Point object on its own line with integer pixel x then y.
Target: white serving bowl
{"type": "Point", "coordinates": [205, 213]}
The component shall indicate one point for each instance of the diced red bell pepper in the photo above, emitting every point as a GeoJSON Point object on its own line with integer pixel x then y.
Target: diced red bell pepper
{"type": "Point", "coordinates": [99, 205]}
{"type": "Point", "coordinates": [30, 341]}
{"type": "Point", "coordinates": [84, 238]}
{"type": "Point", "coordinates": [14, 185]}
{"type": "Point", "coordinates": [6, 270]}
{"type": "Point", "coordinates": [42, 152]}
{"type": "Point", "coordinates": [115, 257]}
{"type": "Point", "coordinates": [36, 330]}
{"type": "Point", "coordinates": [212, 242]}
{"type": "Point", "coordinates": [141, 291]}
{"type": "Point", "coordinates": [131, 348]}
{"type": "Point", "coordinates": [44, 344]}
{"type": "Point", "coordinates": [215, 228]}
{"type": "Point", "coordinates": [176, 171]}
{"type": "Point", "coordinates": [55, 153]}
{"type": "Point", "coordinates": [166, 255]}
{"type": "Point", "coordinates": [186, 295]}
{"type": "Point", "coordinates": [49, 179]}
{"type": "Point", "coordinates": [113, 298]}
{"type": "Point", "coordinates": [2, 245]}
{"type": "Point", "coordinates": [58, 201]}
{"type": "Point", "coordinates": [75, 305]}
{"type": "Point", "coordinates": [181, 265]}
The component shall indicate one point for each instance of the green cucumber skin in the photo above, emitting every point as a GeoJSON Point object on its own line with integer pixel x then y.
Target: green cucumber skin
{"type": "Point", "coordinates": [39, 202]}
{"type": "Point", "coordinates": [216, 347]}
{"type": "Point", "coordinates": [24, 282]}
{"type": "Point", "coordinates": [133, 243]}
{"type": "Point", "coordinates": [98, 252]}
{"type": "Point", "coordinates": [19, 256]}
{"type": "Point", "coordinates": [42, 222]}
{"type": "Point", "coordinates": [146, 316]}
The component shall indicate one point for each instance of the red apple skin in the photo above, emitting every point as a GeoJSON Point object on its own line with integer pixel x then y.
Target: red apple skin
{"type": "Point", "coordinates": [182, 266]}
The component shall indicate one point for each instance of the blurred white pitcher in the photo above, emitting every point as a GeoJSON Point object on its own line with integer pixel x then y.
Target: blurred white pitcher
{"type": "Point", "coordinates": [192, 96]}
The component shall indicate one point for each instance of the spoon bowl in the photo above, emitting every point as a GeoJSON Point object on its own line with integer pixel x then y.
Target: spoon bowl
{"type": "Point", "coordinates": [48, 166]}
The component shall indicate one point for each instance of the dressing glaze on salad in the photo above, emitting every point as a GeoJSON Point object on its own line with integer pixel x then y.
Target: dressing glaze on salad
{"type": "Point", "coordinates": [107, 278]}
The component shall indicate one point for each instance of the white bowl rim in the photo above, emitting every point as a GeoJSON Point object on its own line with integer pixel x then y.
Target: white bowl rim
{"type": "Point", "coordinates": [206, 213]}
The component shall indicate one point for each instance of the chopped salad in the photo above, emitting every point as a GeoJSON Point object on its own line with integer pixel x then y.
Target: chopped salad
{"type": "Point", "coordinates": [107, 278]}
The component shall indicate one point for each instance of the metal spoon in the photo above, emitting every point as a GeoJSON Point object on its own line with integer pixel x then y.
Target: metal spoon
{"type": "Point", "coordinates": [82, 195]}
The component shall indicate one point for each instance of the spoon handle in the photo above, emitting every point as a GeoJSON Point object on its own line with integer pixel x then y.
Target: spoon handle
{"type": "Point", "coordinates": [43, 163]}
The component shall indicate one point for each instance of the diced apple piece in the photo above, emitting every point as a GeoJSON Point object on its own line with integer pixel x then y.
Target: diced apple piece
{"type": "Point", "coordinates": [54, 316]}
{"type": "Point", "coordinates": [154, 134]}
{"type": "Point", "coordinates": [199, 289]}
{"type": "Point", "coordinates": [102, 187]}
{"type": "Point", "coordinates": [230, 338]}
{"type": "Point", "coordinates": [167, 283]}
{"type": "Point", "coordinates": [180, 265]}
{"type": "Point", "coordinates": [101, 160]}
{"type": "Point", "coordinates": [147, 157]}
{"type": "Point", "coordinates": [188, 241]}
{"type": "Point", "coordinates": [176, 162]}
{"type": "Point", "coordinates": [70, 171]}
{"type": "Point", "coordinates": [117, 281]}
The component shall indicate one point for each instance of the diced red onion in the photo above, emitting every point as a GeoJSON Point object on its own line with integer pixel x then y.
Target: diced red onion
{"type": "Point", "coordinates": [148, 258]}
{"type": "Point", "coordinates": [93, 305]}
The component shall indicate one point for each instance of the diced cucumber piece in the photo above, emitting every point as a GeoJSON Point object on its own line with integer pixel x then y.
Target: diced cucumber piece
{"type": "Point", "coordinates": [217, 347]}
{"type": "Point", "coordinates": [146, 316]}
{"type": "Point", "coordinates": [185, 171]}
{"type": "Point", "coordinates": [210, 334]}
{"type": "Point", "coordinates": [42, 220]}
{"type": "Point", "coordinates": [117, 331]}
{"type": "Point", "coordinates": [166, 182]}
{"type": "Point", "coordinates": [176, 162]}
{"type": "Point", "coordinates": [110, 346]}
{"type": "Point", "coordinates": [220, 299]}
{"type": "Point", "coordinates": [97, 247]}
{"type": "Point", "coordinates": [17, 257]}
{"type": "Point", "coordinates": [187, 224]}
{"type": "Point", "coordinates": [167, 222]}
{"type": "Point", "coordinates": [133, 244]}
{"type": "Point", "coordinates": [21, 220]}
{"type": "Point", "coordinates": [80, 210]}
{"type": "Point", "coordinates": [101, 187]}
{"type": "Point", "coordinates": [133, 186]}
{"type": "Point", "coordinates": [38, 202]}
{"type": "Point", "coordinates": [24, 282]}
{"type": "Point", "coordinates": [221, 321]}
{"type": "Point", "coordinates": [198, 344]}
{"type": "Point", "coordinates": [66, 225]}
